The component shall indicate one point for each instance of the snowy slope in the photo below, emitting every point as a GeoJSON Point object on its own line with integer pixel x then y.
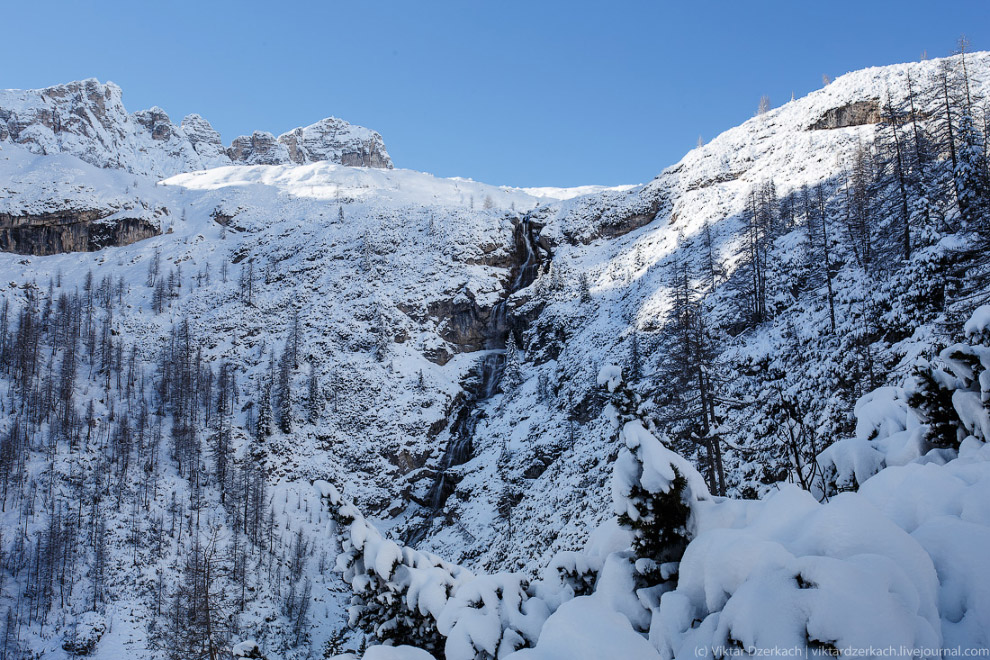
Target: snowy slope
{"type": "Point", "coordinates": [404, 287]}
{"type": "Point", "coordinates": [554, 444]}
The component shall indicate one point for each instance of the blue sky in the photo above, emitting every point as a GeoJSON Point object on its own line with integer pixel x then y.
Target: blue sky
{"type": "Point", "coordinates": [513, 93]}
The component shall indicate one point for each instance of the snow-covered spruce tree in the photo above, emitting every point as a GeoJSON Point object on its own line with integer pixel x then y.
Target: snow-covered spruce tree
{"type": "Point", "coordinates": [955, 401]}
{"type": "Point", "coordinates": [263, 423]}
{"type": "Point", "coordinates": [314, 396]}
{"type": "Point", "coordinates": [635, 356]}
{"type": "Point", "coordinates": [512, 372]}
{"type": "Point", "coordinates": [398, 592]}
{"type": "Point", "coordinates": [971, 173]}
{"type": "Point", "coordinates": [381, 335]}
{"type": "Point", "coordinates": [584, 287]}
{"type": "Point", "coordinates": [403, 596]}
{"type": "Point", "coordinates": [282, 396]}
{"type": "Point", "coordinates": [932, 401]}
{"type": "Point", "coordinates": [653, 489]}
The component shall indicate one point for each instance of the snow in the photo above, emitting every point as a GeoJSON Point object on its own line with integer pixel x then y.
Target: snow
{"type": "Point", "coordinates": [246, 649]}
{"type": "Point", "coordinates": [839, 573]}
{"type": "Point", "coordinates": [587, 629]}
{"type": "Point", "coordinates": [956, 548]}
{"type": "Point", "coordinates": [611, 376]}
{"type": "Point", "coordinates": [659, 462]}
{"type": "Point", "coordinates": [396, 653]}
{"type": "Point", "coordinates": [330, 182]}
{"type": "Point", "coordinates": [353, 249]}
{"type": "Point", "coordinates": [549, 192]}
{"type": "Point", "coordinates": [387, 557]}
{"type": "Point", "coordinates": [849, 462]}
{"type": "Point", "coordinates": [979, 321]}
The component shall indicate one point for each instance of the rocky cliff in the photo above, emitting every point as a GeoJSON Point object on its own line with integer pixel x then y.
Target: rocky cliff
{"type": "Point", "coordinates": [335, 140]}
{"type": "Point", "coordinates": [71, 230]}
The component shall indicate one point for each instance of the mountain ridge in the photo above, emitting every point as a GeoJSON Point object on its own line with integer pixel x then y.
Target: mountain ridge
{"type": "Point", "coordinates": [87, 118]}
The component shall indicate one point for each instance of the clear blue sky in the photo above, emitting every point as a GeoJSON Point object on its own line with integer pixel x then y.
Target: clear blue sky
{"type": "Point", "coordinates": [515, 93]}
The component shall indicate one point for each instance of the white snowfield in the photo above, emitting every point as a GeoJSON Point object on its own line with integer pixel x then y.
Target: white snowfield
{"type": "Point", "coordinates": [331, 182]}
{"type": "Point", "coordinates": [391, 274]}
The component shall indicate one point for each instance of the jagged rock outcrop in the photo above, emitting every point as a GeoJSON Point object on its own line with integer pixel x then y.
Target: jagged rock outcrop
{"type": "Point", "coordinates": [857, 113]}
{"type": "Point", "coordinates": [88, 120]}
{"type": "Point", "coordinates": [611, 215]}
{"type": "Point", "coordinates": [157, 123]}
{"type": "Point", "coordinates": [337, 141]}
{"type": "Point", "coordinates": [85, 118]}
{"type": "Point", "coordinates": [259, 148]}
{"type": "Point", "coordinates": [81, 230]}
{"type": "Point", "coordinates": [204, 138]}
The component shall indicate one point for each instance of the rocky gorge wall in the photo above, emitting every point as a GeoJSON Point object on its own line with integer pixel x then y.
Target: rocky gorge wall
{"type": "Point", "coordinates": [85, 230]}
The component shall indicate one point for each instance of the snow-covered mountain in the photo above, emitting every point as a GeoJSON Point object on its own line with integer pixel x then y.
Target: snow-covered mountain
{"type": "Point", "coordinates": [87, 119]}
{"type": "Point", "coordinates": [192, 336]}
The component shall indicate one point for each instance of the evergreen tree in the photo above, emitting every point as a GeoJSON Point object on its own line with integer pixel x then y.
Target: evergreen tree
{"type": "Point", "coordinates": [654, 489]}
{"type": "Point", "coordinates": [282, 395]}
{"type": "Point", "coordinates": [315, 398]}
{"type": "Point", "coordinates": [263, 422]}
{"type": "Point", "coordinates": [512, 376]}
{"type": "Point", "coordinates": [584, 288]}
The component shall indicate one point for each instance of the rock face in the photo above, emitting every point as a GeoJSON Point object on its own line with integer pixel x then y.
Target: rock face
{"type": "Point", "coordinates": [260, 148]}
{"type": "Point", "coordinates": [857, 113]}
{"type": "Point", "coordinates": [84, 230]}
{"type": "Point", "coordinates": [205, 140]}
{"type": "Point", "coordinates": [336, 141]}
{"type": "Point", "coordinates": [463, 322]}
{"type": "Point", "coordinates": [156, 122]}
{"type": "Point", "coordinates": [88, 120]}
{"type": "Point", "coordinates": [83, 118]}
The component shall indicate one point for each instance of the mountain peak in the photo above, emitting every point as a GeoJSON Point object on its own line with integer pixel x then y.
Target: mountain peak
{"type": "Point", "coordinates": [337, 141]}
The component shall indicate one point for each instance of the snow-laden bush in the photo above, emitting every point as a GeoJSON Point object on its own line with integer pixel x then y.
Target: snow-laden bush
{"type": "Point", "coordinates": [247, 649]}
{"type": "Point", "coordinates": [954, 398]}
{"type": "Point", "coordinates": [85, 634]}
{"type": "Point", "coordinates": [575, 571]}
{"type": "Point", "coordinates": [492, 616]}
